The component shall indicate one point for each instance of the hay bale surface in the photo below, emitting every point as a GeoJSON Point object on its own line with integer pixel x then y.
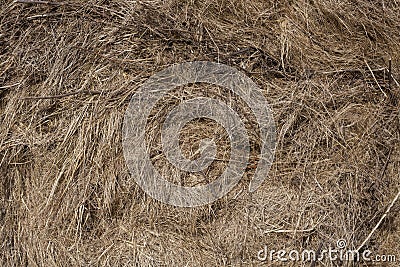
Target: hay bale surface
{"type": "Point", "coordinates": [68, 70]}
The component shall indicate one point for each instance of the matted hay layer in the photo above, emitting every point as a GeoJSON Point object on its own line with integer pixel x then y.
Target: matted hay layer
{"type": "Point", "coordinates": [67, 73]}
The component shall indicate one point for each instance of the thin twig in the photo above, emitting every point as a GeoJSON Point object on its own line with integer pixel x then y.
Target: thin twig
{"type": "Point", "coordinates": [380, 221]}
{"type": "Point", "coordinates": [395, 81]}
{"type": "Point", "coordinates": [9, 86]}
{"type": "Point", "coordinates": [47, 15]}
{"type": "Point", "coordinates": [39, 2]}
{"type": "Point", "coordinates": [346, 70]}
{"type": "Point", "coordinates": [390, 74]}
{"type": "Point", "coordinates": [384, 167]}
{"type": "Point", "coordinates": [63, 95]}
{"type": "Point", "coordinates": [215, 44]}
{"type": "Point", "coordinates": [289, 231]}
{"type": "Point", "coordinates": [373, 75]}
{"type": "Point", "coordinates": [391, 78]}
{"type": "Point", "coordinates": [386, 163]}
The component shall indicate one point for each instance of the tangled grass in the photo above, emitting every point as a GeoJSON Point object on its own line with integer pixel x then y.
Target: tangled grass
{"type": "Point", "coordinates": [68, 70]}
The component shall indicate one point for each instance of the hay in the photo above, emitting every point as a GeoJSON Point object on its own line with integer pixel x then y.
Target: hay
{"type": "Point", "coordinates": [68, 70]}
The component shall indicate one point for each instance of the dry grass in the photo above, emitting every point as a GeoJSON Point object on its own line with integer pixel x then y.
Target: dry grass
{"type": "Point", "coordinates": [68, 70]}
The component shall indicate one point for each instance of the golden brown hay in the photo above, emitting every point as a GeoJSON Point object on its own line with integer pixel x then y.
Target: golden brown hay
{"type": "Point", "coordinates": [67, 73]}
